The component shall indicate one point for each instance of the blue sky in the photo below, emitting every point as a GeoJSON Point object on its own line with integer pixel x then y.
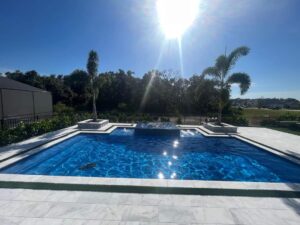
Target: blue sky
{"type": "Point", "coordinates": [55, 36]}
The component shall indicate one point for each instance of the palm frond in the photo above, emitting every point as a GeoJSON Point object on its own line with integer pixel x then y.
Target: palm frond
{"type": "Point", "coordinates": [210, 71]}
{"type": "Point", "coordinates": [222, 65]}
{"type": "Point", "coordinates": [242, 79]}
{"type": "Point", "coordinates": [236, 54]}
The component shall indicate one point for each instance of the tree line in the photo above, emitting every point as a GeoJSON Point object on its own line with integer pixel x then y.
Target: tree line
{"type": "Point", "coordinates": [160, 92]}
{"type": "Point", "coordinates": [154, 92]}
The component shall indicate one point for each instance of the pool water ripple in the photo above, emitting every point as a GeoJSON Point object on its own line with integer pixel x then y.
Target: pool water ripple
{"type": "Point", "coordinates": [190, 156]}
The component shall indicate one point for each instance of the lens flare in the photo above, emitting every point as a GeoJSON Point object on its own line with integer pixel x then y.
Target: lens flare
{"type": "Point", "coordinates": [176, 16]}
{"type": "Point", "coordinates": [161, 175]}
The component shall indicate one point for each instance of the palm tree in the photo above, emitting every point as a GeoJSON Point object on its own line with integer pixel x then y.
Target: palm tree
{"type": "Point", "coordinates": [92, 69]}
{"type": "Point", "coordinates": [220, 71]}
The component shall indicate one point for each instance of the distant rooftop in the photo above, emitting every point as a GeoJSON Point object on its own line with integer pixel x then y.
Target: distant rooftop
{"type": "Point", "coordinates": [6, 83]}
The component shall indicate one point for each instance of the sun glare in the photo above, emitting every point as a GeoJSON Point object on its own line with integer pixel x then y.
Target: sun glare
{"type": "Point", "coordinates": [176, 16]}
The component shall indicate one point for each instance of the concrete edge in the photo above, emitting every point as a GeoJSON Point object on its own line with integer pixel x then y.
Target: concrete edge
{"type": "Point", "coordinates": [151, 189]}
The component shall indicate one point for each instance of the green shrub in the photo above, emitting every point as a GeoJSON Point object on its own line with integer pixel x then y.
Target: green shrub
{"type": "Point", "coordinates": [179, 121]}
{"type": "Point", "coordinates": [24, 131]}
{"type": "Point", "coordinates": [236, 120]}
{"type": "Point", "coordinates": [288, 117]}
{"type": "Point", "coordinates": [269, 122]}
{"type": "Point", "coordinates": [61, 108]}
{"type": "Point", "coordinates": [122, 106]}
{"type": "Point", "coordinates": [164, 119]}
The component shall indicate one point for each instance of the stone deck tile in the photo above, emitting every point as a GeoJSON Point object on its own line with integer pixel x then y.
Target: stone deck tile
{"type": "Point", "coordinates": [18, 206]}
{"type": "Point", "coordinates": [288, 143]}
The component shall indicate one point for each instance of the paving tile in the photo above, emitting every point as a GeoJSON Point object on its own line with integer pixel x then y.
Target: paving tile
{"type": "Point", "coordinates": [182, 200]}
{"type": "Point", "coordinates": [150, 223]}
{"type": "Point", "coordinates": [99, 208]}
{"type": "Point", "coordinates": [9, 194]}
{"type": "Point", "coordinates": [133, 223]}
{"type": "Point", "coordinates": [166, 200]}
{"type": "Point", "coordinates": [73, 222]}
{"type": "Point", "coordinates": [76, 211]}
{"type": "Point", "coordinates": [141, 213]}
{"type": "Point", "coordinates": [107, 223]}
{"type": "Point", "coordinates": [94, 197]}
{"type": "Point", "coordinates": [30, 209]}
{"type": "Point", "coordinates": [173, 214]}
{"type": "Point", "coordinates": [10, 220]}
{"type": "Point", "coordinates": [128, 199]}
{"type": "Point", "coordinates": [23, 208]}
{"type": "Point", "coordinates": [257, 217]}
{"type": "Point", "coordinates": [221, 202]}
{"type": "Point", "coordinates": [41, 221]}
{"type": "Point", "coordinates": [32, 195]}
{"type": "Point", "coordinates": [265, 203]}
{"type": "Point", "coordinates": [115, 212]}
{"type": "Point", "coordinates": [292, 203]}
{"type": "Point", "coordinates": [292, 223]}
{"type": "Point", "coordinates": [288, 216]}
{"type": "Point", "coordinates": [63, 196]}
{"type": "Point", "coordinates": [151, 199]}
{"type": "Point", "coordinates": [88, 222]}
{"type": "Point", "coordinates": [213, 215]}
{"type": "Point", "coordinates": [7, 208]}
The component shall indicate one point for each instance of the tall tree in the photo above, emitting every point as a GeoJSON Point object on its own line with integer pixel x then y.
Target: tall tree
{"type": "Point", "coordinates": [220, 71]}
{"type": "Point", "coordinates": [92, 69]}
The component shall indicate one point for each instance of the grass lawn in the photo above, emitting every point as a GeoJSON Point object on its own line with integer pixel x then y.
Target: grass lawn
{"type": "Point", "coordinates": [285, 129]}
{"type": "Point", "coordinates": [268, 113]}
{"type": "Point", "coordinates": [255, 115]}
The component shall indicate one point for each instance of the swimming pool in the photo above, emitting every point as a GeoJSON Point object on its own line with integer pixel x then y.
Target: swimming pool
{"type": "Point", "coordinates": [188, 157]}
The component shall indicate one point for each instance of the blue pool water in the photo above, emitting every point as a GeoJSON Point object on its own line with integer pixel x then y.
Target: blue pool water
{"type": "Point", "coordinates": [190, 156]}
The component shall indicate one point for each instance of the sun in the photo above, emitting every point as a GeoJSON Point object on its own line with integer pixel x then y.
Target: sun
{"type": "Point", "coordinates": [176, 16]}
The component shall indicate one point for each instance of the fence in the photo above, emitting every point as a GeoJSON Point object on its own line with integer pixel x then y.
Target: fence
{"type": "Point", "coordinates": [12, 122]}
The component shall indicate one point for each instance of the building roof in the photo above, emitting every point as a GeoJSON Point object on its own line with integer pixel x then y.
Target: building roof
{"type": "Point", "coordinates": [6, 83]}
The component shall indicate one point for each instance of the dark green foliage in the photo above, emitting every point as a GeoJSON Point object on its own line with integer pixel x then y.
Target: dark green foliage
{"type": "Point", "coordinates": [236, 120]}
{"type": "Point", "coordinates": [234, 116]}
{"type": "Point", "coordinates": [166, 93]}
{"type": "Point", "coordinates": [92, 69]}
{"type": "Point", "coordinates": [164, 119]}
{"type": "Point", "coordinates": [242, 79]}
{"type": "Point", "coordinates": [179, 121]}
{"type": "Point", "coordinates": [60, 109]}
{"type": "Point", "coordinates": [287, 122]}
{"type": "Point", "coordinates": [275, 124]}
{"type": "Point", "coordinates": [24, 131]}
{"type": "Point", "coordinates": [269, 123]}
{"type": "Point", "coordinates": [126, 117]}
{"type": "Point", "coordinates": [279, 121]}
{"type": "Point", "coordinates": [289, 117]}
{"type": "Point", "coordinates": [220, 74]}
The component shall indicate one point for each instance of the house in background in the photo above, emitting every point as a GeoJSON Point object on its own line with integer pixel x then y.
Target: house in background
{"type": "Point", "coordinates": [22, 102]}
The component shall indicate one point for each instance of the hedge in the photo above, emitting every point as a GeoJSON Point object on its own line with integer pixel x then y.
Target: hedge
{"type": "Point", "coordinates": [25, 131]}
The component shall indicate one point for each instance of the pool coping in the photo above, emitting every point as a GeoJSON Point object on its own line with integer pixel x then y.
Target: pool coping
{"type": "Point", "coordinates": [164, 186]}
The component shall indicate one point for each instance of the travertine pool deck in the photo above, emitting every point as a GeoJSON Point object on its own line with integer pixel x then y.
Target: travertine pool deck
{"type": "Point", "coordinates": [44, 207]}
{"type": "Point", "coordinates": [285, 142]}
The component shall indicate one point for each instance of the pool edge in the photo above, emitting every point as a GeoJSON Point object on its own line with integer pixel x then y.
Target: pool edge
{"type": "Point", "coordinates": [156, 186]}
